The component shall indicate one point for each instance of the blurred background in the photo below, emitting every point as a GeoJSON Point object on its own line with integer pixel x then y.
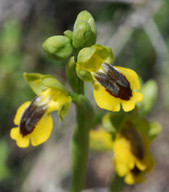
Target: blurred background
{"type": "Point", "coordinates": [137, 31]}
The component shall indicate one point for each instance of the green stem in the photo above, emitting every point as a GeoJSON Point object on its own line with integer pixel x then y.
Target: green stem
{"type": "Point", "coordinates": [85, 117]}
{"type": "Point", "coordinates": [80, 142]}
{"type": "Point", "coordinates": [117, 184]}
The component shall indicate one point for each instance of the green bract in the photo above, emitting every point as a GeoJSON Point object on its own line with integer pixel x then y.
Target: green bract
{"type": "Point", "coordinates": [149, 90]}
{"type": "Point", "coordinates": [151, 129]}
{"type": "Point", "coordinates": [84, 31]}
{"type": "Point", "coordinates": [58, 47]}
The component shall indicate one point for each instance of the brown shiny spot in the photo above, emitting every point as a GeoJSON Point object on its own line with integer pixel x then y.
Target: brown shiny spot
{"type": "Point", "coordinates": [135, 139]}
{"type": "Point", "coordinates": [31, 117]}
{"type": "Point", "coordinates": [135, 171]}
{"type": "Point", "coordinates": [114, 82]}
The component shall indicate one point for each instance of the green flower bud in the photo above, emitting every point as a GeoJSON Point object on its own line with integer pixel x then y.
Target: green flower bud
{"type": "Point", "coordinates": [58, 47]}
{"type": "Point", "coordinates": [84, 33]}
{"type": "Point", "coordinates": [68, 34]}
{"type": "Point", "coordinates": [86, 16]}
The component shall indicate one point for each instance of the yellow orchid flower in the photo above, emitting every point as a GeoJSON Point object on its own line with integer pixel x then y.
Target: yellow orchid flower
{"type": "Point", "coordinates": [132, 158]}
{"type": "Point", "coordinates": [113, 85]}
{"type": "Point", "coordinates": [33, 117]}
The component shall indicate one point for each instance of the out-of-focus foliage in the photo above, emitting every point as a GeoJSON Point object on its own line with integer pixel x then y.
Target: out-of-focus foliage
{"type": "Point", "coordinates": [11, 69]}
{"type": "Point", "coordinates": [4, 153]}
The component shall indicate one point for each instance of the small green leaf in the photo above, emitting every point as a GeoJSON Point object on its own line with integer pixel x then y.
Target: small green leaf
{"type": "Point", "coordinates": [155, 129]}
{"type": "Point", "coordinates": [149, 91]}
{"type": "Point", "coordinates": [150, 129]}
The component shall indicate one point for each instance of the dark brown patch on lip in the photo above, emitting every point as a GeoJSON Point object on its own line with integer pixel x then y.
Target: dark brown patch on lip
{"type": "Point", "coordinates": [135, 171]}
{"type": "Point", "coordinates": [114, 82]}
{"type": "Point", "coordinates": [135, 139]}
{"type": "Point", "coordinates": [31, 117]}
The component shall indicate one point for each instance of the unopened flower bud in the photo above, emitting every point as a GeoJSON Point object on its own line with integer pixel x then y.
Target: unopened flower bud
{"type": "Point", "coordinates": [68, 34]}
{"type": "Point", "coordinates": [58, 47]}
{"type": "Point", "coordinates": [84, 33]}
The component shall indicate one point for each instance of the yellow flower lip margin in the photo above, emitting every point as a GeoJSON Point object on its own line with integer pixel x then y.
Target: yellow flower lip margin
{"type": "Point", "coordinates": [49, 99]}
{"type": "Point", "coordinates": [91, 60]}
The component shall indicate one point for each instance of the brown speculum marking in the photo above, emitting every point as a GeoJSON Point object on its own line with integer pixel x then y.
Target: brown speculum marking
{"type": "Point", "coordinates": [31, 117]}
{"type": "Point", "coordinates": [135, 139]}
{"type": "Point", "coordinates": [135, 171]}
{"type": "Point", "coordinates": [114, 82]}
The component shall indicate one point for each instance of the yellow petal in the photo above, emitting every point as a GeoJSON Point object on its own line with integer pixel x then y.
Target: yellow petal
{"type": "Point", "coordinates": [20, 112]}
{"type": "Point", "coordinates": [54, 98]}
{"type": "Point", "coordinates": [140, 165]}
{"type": "Point", "coordinates": [132, 179]}
{"type": "Point", "coordinates": [42, 131]}
{"type": "Point", "coordinates": [122, 152]}
{"type": "Point", "coordinates": [131, 76]}
{"type": "Point", "coordinates": [14, 133]}
{"type": "Point", "coordinates": [21, 141]}
{"type": "Point", "coordinates": [130, 104]}
{"type": "Point", "coordinates": [121, 168]}
{"type": "Point", "coordinates": [104, 100]}
{"type": "Point", "coordinates": [100, 140]}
